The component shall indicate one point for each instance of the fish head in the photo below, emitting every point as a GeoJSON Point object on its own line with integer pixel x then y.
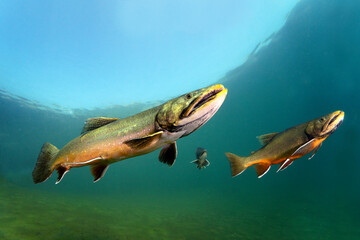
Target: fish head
{"type": "Point", "coordinates": [192, 110]}
{"type": "Point", "coordinates": [324, 126]}
{"type": "Point", "coordinates": [201, 153]}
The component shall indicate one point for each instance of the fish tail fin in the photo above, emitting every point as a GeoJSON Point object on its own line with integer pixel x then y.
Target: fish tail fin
{"type": "Point", "coordinates": [42, 170]}
{"type": "Point", "coordinates": [237, 164]}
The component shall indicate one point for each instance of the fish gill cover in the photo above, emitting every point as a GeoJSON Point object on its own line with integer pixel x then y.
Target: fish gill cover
{"type": "Point", "coordinates": [308, 69]}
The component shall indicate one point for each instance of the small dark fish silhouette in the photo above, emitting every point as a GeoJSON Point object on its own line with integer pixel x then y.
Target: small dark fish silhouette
{"type": "Point", "coordinates": [201, 160]}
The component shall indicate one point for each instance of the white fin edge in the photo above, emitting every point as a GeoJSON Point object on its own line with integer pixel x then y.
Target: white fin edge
{"type": "Point", "coordinates": [102, 174]}
{"type": "Point", "coordinates": [265, 172]}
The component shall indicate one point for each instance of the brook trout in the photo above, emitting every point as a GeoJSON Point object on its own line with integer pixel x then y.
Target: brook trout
{"type": "Point", "coordinates": [108, 140]}
{"type": "Point", "coordinates": [284, 147]}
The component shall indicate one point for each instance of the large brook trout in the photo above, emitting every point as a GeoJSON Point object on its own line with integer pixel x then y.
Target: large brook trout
{"type": "Point", "coordinates": [108, 140]}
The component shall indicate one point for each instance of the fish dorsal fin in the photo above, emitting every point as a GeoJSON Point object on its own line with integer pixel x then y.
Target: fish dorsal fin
{"type": "Point", "coordinates": [266, 138]}
{"type": "Point", "coordinates": [285, 164]}
{"type": "Point", "coordinates": [315, 150]}
{"type": "Point", "coordinates": [262, 169]}
{"type": "Point", "coordinates": [139, 143]}
{"type": "Point", "coordinates": [168, 154]}
{"type": "Point", "coordinates": [98, 171]}
{"type": "Point", "coordinates": [304, 149]}
{"type": "Point", "coordinates": [94, 123]}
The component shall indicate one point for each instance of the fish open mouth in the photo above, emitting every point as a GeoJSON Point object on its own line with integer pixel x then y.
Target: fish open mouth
{"type": "Point", "coordinates": [200, 101]}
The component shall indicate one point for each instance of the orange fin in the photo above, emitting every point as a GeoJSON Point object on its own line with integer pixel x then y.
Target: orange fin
{"type": "Point", "coordinates": [168, 154]}
{"type": "Point", "coordinates": [266, 138]}
{"type": "Point", "coordinates": [237, 164]}
{"type": "Point", "coordinates": [98, 171]}
{"type": "Point", "coordinates": [262, 169]}
{"type": "Point", "coordinates": [315, 150]}
{"type": "Point", "coordinates": [94, 123]}
{"type": "Point", "coordinates": [285, 164]}
{"type": "Point", "coordinates": [304, 149]}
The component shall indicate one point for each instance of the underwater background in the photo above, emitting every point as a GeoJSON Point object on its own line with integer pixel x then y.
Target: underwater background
{"type": "Point", "coordinates": [308, 69]}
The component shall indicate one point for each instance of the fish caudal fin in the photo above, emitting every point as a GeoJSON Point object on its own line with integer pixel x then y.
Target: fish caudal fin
{"type": "Point", "coordinates": [42, 170]}
{"type": "Point", "coordinates": [236, 164]}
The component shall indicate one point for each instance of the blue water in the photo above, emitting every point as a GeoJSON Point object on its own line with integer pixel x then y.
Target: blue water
{"type": "Point", "coordinates": [309, 69]}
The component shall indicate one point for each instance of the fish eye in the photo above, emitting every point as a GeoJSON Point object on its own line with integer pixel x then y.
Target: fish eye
{"type": "Point", "coordinates": [322, 119]}
{"type": "Point", "coordinates": [188, 96]}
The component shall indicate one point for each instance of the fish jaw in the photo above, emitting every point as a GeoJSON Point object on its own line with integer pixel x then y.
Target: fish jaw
{"type": "Point", "coordinates": [202, 109]}
{"type": "Point", "coordinates": [206, 97]}
{"type": "Point", "coordinates": [190, 111]}
{"type": "Point", "coordinates": [334, 121]}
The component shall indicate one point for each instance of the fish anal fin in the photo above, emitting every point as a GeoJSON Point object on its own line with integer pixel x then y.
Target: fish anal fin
{"type": "Point", "coordinates": [168, 154]}
{"type": "Point", "coordinates": [139, 143]}
{"type": "Point", "coordinates": [262, 169]}
{"type": "Point", "coordinates": [61, 170]}
{"type": "Point", "coordinates": [98, 171]}
{"type": "Point", "coordinates": [266, 138]}
{"type": "Point", "coordinates": [315, 150]}
{"type": "Point", "coordinates": [94, 123]}
{"type": "Point", "coordinates": [285, 164]}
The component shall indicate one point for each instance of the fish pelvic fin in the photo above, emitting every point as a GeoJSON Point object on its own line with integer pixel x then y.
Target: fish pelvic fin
{"type": "Point", "coordinates": [237, 164]}
{"type": "Point", "coordinates": [42, 169]}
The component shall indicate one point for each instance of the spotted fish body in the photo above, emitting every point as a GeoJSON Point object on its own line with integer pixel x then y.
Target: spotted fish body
{"type": "Point", "coordinates": [107, 140]}
{"type": "Point", "coordinates": [284, 147]}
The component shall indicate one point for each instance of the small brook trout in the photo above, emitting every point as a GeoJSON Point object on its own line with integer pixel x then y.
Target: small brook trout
{"type": "Point", "coordinates": [108, 140]}
{"type": "Point", "coordinates": [284, 147]}
{"type": "Point", "coordinates": [201, 161]}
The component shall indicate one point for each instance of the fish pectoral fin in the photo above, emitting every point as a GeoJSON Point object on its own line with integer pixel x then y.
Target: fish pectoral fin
{"type": "Point", "coordinates": [315, 150]}
{"type": "Point", "coordinates": [61, 173]}
{"type": "Point", "coordinates": [262, 169]}
{"type": "Point", "coordinates": [94, 123]}
{"type": "Point", "coordinates": [266, 138]}
{"type": "Point", "coordinates": [206, 163]}
{"type": "Point", "coordinates": [195, 161]}
{"type": "Point", "coordinates": [304, 149]}
{"type": "Point", "coordinates": [285, 164]}
{"type": "Point", "coordinates": [139, 143]}
{"type": "Point", "coordinates": [98, 171]}
{"type": "Point", "coordinates": [168, 154]}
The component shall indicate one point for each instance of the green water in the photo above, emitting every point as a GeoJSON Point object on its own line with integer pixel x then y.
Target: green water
{"type": "Point", "coordinates": [311, 68]}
